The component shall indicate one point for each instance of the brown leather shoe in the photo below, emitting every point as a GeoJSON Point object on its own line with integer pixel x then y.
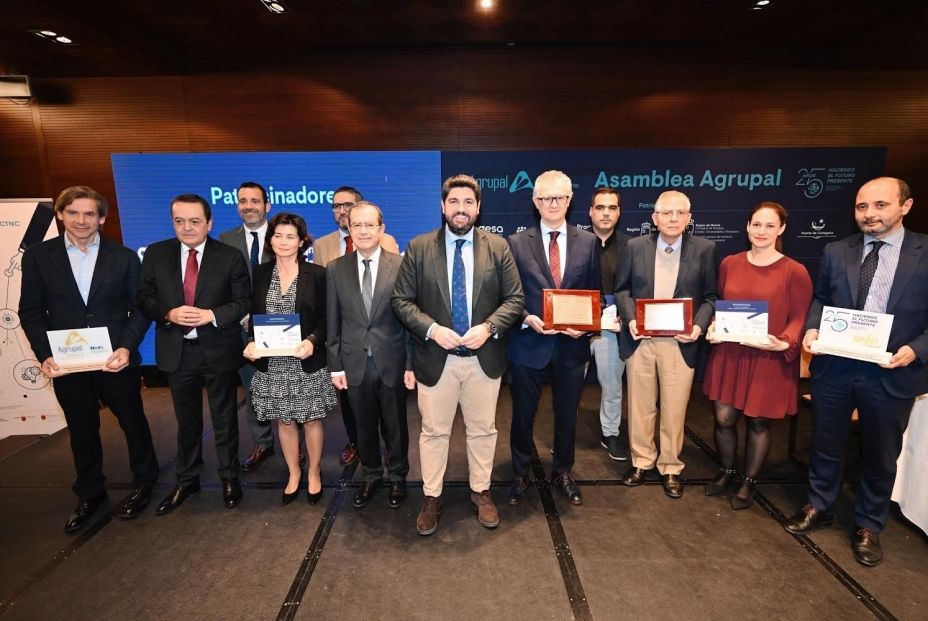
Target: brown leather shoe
{"type": "Point", "coordinates": [807, 520]}
{"type": "Point", "coordinates": [258, 455]}
{"type": "Point", "coordinates": [866, 547]}
{"type": "Point", "coordinates": [349, 455]}
{"type": "Point", "coordinates": [427, 522]}
{"type": "Point", "coordinates": [487, 514]}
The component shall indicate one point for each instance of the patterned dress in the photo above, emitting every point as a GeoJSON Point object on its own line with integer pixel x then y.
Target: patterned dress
{"type": "Point", "coordinates": [285, 392]}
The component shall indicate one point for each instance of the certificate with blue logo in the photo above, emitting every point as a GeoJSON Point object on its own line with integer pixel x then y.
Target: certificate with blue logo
{"type": "Point", "coordinates": [80, 349]}
{"type": "Point", "coordinates": [741, 321]}
{"type": "Point", "coordinates": [854, 334]}
{"type": "Point", "coordinates": [276, 334]}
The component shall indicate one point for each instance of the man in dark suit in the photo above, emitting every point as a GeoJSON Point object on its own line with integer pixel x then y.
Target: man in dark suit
{"type": "Point", "coordinates": [367, 346]}
{"type": "Point", "coordinates": [253, 208]}
{"type": "Point", "coordinates": [604, 215]}
{"type": "Point", "coordinates": [552, 255]}
{"type": "Point", "coordinates": [458, 293]}
{"type": "Point", "coordinates": [83, 280]}
{"type": "Point", "coordinates": [882, 269]}
{"type": "Point", "coordinates": [197, 289]}
{"type": "Point", "coordinates": [672, 265]}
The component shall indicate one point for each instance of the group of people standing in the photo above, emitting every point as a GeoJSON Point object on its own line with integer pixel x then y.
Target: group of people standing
{"type": "Point", "coordinates": [449, 317]}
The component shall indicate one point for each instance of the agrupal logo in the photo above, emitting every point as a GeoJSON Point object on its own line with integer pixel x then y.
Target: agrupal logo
{"type": "Point", "coordinates": [301, 196]}
{"type": "Point", "coordinates": [74, 343]}
{"type": "Point", "coordinates": [718, 181]}
{"type": "Point", "coordinates": [74, 338]}
{"type": "Point", "coordinates": [521, 181]}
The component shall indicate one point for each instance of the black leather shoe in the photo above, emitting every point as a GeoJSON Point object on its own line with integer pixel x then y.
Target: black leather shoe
{"type": "Point", "coordinates": [397, 495]}
{"type": "Point", "coordinates": [83, 512]}
{"type": "Point", "coordinates": [136, 503]}
{"type": "Point", "coordinates": [673, 487]}
{"type": "Point", "coordinates": [565, 483]}
{"type": "Point", "coordinates": [364, 495]}
{"type": "Point", "coordinates": [807, 520]}
{"type": "Point", "coordinates": [177, 497]}
{"type": "Point", "coordinates": [634, 477]}
{"type": "Point", "coordinates": [516, 490]}
{"type": "Point", "coordinates": [866, 547]}
{"type": "Point", "coordinates": [614, 447]}
{"type": "Point", "coordinates": [314, 498]}
{"type": "Point", "coordinates": [231, 493]}
{"type": "Point", "coordinates": [719, 485]}
{"type": "Point", "coordinates": [258, 455]}
{"type": "Point", "coordinates": [744, 499]}
{"type": "Point", "coordinates": [286, 498]}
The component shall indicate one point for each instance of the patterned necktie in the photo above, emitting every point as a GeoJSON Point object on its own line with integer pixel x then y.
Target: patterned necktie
{"type": "Point", "coordinates": [367, 288]}
{"type": "Point", "coordinates": [554, 259]}
{"type": "Point", "coordinates": [349, 246]}
{"type": "Point", "coordinates": [867, 271]}
{"type": "Point", "coordinates": [254, 249]}
{"type": "Point", "coordinates": [190, 280]}
{"type": "Point", "coordinates": [668, 249]}
{"type": "Point", "coordinates": [459, 320]}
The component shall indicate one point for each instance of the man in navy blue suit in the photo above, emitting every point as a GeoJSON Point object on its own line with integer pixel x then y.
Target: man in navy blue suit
{"type": "Point", "coordinates": [552, 255]}
{"type": "Point", "coordinates": [882, 269]}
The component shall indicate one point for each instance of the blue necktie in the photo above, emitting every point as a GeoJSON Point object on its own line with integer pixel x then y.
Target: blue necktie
{"type": "Point", "coordinates": [459, 320]}
{"type": "Point", "coordinates": [254, 249]}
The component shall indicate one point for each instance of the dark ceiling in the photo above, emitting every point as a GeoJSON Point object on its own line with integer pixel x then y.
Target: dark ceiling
{"type": "Point", "coordinates": [184, 37]}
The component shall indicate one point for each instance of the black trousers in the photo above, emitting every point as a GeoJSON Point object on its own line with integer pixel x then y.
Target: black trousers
{"type": "Point", "coordinates": [187, 384]}
{"type": "Point", "coordinates": [566, 388]}
{"type": "Point", "coordinates": [882, 419]}
{"type": "Point", "coordinates": [380, 410]}
{"type": "Point", "coordinates": [79, 395]}
{"type": "Point", "coordinates": [351, 424]}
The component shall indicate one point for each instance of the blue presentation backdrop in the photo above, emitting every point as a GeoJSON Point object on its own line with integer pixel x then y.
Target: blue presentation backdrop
{"type": "Point", "coordinates": [816, 185]}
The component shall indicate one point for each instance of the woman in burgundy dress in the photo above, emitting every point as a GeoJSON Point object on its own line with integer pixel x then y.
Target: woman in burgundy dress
{"type": "Point", "coordinates": [760, 381]}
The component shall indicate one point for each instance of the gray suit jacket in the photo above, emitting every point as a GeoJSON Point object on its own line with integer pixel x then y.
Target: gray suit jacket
{"type": "Point", "coordinates": [350, 329]}
{"type": "Point", "coordinates": [696, 279]}
{"type": "Point", "coordinates": [326, 248]}
{"type": "Point", "coordinates": [421, 297]}
{"type": "Point", "coordinates": [236, 238]}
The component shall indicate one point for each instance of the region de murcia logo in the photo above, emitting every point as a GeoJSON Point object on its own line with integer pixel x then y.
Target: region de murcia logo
{"type": "Point", "coordinates": [808, 178]}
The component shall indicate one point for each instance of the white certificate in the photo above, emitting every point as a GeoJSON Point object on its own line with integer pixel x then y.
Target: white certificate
{"type": "Point", "coordinates": [610, 319]}
{"type": "Point", "coordinates": [80, 349]}
{"type": "Point", "coordinates": [854, 334]}
{"type": "Point", "coordinates": [665, 316]}
{"type": "Point", "coordinates": [276, 335]}
{"type": "Point", "coordinates": [741, 321]}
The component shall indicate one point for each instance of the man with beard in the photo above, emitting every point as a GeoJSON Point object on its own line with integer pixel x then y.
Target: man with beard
{"type": "Point", "coordinates": [882, 269]}
{"type": "Point", "coordinates": [458, 293]}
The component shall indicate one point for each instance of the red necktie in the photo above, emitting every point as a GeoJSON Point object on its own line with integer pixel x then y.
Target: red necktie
{"type": "Point", "coordinates": [190, 280]}
{"type": "Point", "coordinates": [349, 247]}
{"type": "Point", "coordinates": [554, 259]}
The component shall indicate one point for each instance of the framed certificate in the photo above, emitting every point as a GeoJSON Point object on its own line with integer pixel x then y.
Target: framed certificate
{"type": "Point", "coordinates": [80, 349]}
{"type": "Point", "coordinates": [854, 334]}
{"type": "Point", "coordinates": [276, 335]}
{"type": "Point", "coordinates": [741, 321]}
{"type": "Point", "coordinates": [571, 308]}
{"type": "Point", "coordinates": [664, 317]}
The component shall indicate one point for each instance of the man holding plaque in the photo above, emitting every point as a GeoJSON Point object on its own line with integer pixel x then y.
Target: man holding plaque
{"type": "Point", "coordinates": [83, 280]}
{"type": "Point", "coordinates": [197, 290]}
{"type": "Point", "coordinates": [666, 286]}
{"type": "Point", "coordinates": [552, 255]}
{"type": "Point", "coordinates": [458, 293]}
{"type": "Point", "coordinates": [882, 269]}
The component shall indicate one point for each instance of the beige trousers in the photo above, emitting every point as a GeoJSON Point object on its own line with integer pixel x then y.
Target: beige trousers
{"type": "Point", "coordinates": [657, 369]}
{"type": "Point", "coordinates": [462, 382]}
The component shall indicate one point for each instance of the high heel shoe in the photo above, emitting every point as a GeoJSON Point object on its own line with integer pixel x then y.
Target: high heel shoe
{"type": "Point", "coordinates": [738, 503]}
{"type": "Point", "coordinates": [288, 498]}
{"type": "Point", "coordinates": [719, 486]}
{"type": "Point", "coordinates": [314, 498]}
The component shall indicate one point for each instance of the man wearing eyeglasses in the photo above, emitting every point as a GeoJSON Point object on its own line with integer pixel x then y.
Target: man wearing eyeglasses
{"type": "Point", "coordinates": [327, 248]}
{"type": "Point", "coordinates": [552, 255]}
{"type": "Point", "coordinates": [669, 265]}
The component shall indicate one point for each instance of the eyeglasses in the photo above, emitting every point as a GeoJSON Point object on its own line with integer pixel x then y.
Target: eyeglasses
{"type": "Point", "coordinates": [364, 226]}
{"type": "Point", "coordinates": [548, 200]}
{"type": "Point", "coordinates": [669, 213]}
{"type": "Point", "coordinates": [340, 206]}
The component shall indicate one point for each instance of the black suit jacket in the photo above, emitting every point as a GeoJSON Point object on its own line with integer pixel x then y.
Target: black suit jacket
{"type": "Point", "coordinates": [908, 303]}
{"type": "Point", "coordinates": [421, 297]}
{"type": "Point", "coordinates": [696, 279]}
{"type": "Point", "coordinates": [223, 287]}
{"type": "Point", "coordinates": [236, 238]}
{"type": "Point", "coordinates": [350, 328]}
{"type": "Point", "coordinates": [310, 305]}
{"type": "Point", "coordinates": [50, 299]}
{"type": "Point", "coordinates": [581, 271]}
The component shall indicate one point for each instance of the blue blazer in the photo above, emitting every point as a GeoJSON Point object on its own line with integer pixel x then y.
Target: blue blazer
{"type": "Point", "coordinates": [908, 303]}
{"type": "Point", "coordinates": [581, 271]}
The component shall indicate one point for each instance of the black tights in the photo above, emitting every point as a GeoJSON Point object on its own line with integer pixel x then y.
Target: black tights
{"type": "Point", "coordinates": [726, 439]}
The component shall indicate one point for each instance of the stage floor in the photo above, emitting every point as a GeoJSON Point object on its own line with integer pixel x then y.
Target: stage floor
{"type": "Point", "coordinates": [625, 553]}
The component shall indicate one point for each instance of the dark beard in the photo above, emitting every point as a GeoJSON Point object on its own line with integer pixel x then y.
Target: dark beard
{"type": "Point", "coordinates": [459, 231]}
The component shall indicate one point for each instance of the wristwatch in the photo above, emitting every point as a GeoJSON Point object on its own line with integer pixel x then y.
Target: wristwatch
{"type": "Point", "coordinates": [490, 328]}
